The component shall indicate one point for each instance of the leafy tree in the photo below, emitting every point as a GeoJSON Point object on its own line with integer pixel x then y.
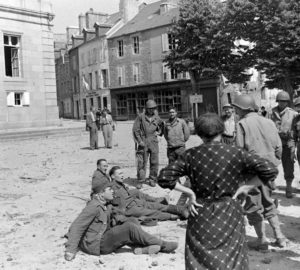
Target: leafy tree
{"type": "Point", "coordinates": [203, 46]}
{"type": "Point", "coordinates": [274, 27]}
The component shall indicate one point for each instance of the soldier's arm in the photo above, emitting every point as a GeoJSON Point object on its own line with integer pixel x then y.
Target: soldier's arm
{"type": "Point", "coordinates": [136, 130]}
{"type": "Point", "coordinates": [186, 130]}
{"type": "Point", "coordinates": [240, 136]}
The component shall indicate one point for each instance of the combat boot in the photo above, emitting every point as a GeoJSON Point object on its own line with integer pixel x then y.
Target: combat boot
{"type": "Point", "coordinates": [261, 243]}
{"type": "Point", "coordinates": [281, 241]}
{"type": "Point", "coordinates": [168, 247]}
{"type": "Point", "coordinates": [181, 211]}
{"type": "Point", "coordinates": [289, 189]}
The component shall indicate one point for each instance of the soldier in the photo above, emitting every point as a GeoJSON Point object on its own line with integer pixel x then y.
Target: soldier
{"type": "Point", "coordinates": [258, 135]}
{"type": "Point", "coordinates": [147, 126]}
{"type": "Point", "coordinates": [283, 117]}
{"type": "Point", "coordinates": [96, 231]}
{"type": "Point", "coordinates": [230, 120]}
{"type": "Point", "coordinates": [133, 206]}
{"type": "Point", "coordinates": [296, 128]}
{"type": "Point", "coordinates": [176, 133]}
{"type": "Point", "coordinates": [92, 128]}
{"type": "Point", "coordinates": [107, 126]}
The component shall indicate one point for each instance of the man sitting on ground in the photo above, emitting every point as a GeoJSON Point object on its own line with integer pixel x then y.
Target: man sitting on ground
{"type": "Point", "coordinates": [134, 207]}
{"type": "Point", "coordinates": [93, 233]}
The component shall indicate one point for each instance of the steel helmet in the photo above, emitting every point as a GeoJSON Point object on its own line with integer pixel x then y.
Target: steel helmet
{"type": "Point", "coordinates": [283, 96]}
{"type": "Point", "coordinates": [297, 101]}
{"type": "Point", "coordinates": [245, 102]}
{"type": "Point", "coordinates": [227, 105]}
{"type": "Point", "coordinates": [150, 104]}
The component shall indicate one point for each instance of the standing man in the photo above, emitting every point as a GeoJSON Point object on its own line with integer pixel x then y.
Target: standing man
{"type": "Point", "coordinates": [176, 133]}
{"type": "Point", "coordinates": [258, 135]}
{"type": "Point", "coordinates": [229, 119]}
{"type": "Point", "coordinates": [106, 124]}
{"type": "Point", "coordinates": [283, 117]}
{"type": "Point", "coordinates": [92, 127]}
{"type": "Point", "coordinates": [296, 127]}
{"type": "Point", "coordinates": [147, 126]}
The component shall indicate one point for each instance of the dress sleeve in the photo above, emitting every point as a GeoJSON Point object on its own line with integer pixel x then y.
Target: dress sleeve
{"type": "Point", "coordinates": [264, 169]}
{"type": "Point", "coordinates": [169, 176]}
{"type": "Point", "coordinates": [79, 226]}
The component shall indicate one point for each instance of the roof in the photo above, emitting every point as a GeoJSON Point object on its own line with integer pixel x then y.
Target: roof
{"type": "Point", "coordinates": [113, 18]}
{"type": "Point", "coordinates": [149, 17]}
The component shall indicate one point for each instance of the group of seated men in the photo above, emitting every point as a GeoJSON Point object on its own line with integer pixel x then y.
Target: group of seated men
{"type": "Point", "coordinates": [112, 218]}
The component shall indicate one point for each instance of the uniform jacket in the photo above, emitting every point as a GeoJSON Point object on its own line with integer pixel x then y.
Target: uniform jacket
{"type": "Point", "coordinates": [176, 133]}
{"type": "Point", "coordinates": [122, 196]}
{"type": "Point", "coordinates": [99, 178]}
{"type": "Point", "coordinates": [283, 121]}
{"type": "Point", "coordinates": [107, 120]}
{"type": "Point", "coordinates": [146, 130]}
{"type": "Point", "coordinates": [259, 135]}
{"type": "Point", "coordinates": [87, 229]}
{"type": "Point", "coordinates": [90, 121]}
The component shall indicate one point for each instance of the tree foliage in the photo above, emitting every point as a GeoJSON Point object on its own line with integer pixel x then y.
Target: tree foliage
{"type": "Point", "coordinates": [206, 33]}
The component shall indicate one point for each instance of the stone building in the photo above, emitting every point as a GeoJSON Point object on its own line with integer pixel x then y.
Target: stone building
{"type": "Point", "coordinates": [27, 74]}
{"type": "Point", "coordinates": [137, 70]}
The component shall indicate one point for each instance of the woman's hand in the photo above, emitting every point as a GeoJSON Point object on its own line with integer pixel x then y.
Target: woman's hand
{"type": "Point", "coordinates": [192, 205]}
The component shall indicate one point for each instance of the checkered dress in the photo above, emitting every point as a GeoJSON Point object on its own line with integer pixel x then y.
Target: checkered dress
{"type": "Point", "coordinates": [215, 238]}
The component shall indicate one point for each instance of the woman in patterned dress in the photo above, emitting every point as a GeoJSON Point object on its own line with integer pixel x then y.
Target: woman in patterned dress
{"type": "Point", "coordinates": [215, 237]}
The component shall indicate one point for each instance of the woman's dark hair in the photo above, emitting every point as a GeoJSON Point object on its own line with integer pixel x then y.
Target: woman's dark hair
{"type": "Point", "coordinates": [113, 169]}
{"type": "Point", "coordinates": [209, 125]}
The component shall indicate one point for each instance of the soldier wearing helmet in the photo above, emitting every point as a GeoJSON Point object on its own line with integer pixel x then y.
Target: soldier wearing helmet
{"type": "Point", "coordinates": [296, 128]}
{"type": "Point", "coordinates": [147, 126]}
{"type": "Point", "coordinates": [259, 135]}
{"type": "Point", "coordinates": [283, 117]}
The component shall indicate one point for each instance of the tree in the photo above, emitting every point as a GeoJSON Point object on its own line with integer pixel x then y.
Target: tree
{"type": "Point", "coordinates": [274, 27]}
{"type": "Point", "coordinates": [204, 47]}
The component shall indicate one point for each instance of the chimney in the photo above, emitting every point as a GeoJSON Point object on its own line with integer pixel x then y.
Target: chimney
{"type": "Point", "coordinates": [128, 9]}
{"type": "Point", "coordinates": [81, 22]}
{"type": "Point", "coordinates": [93, 17]}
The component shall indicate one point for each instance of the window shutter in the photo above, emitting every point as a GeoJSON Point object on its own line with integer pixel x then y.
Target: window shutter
{"type": "Point", "coordinates": [164, 41]}
{"type": "Point", "coordinates": [26, 99]}
{"type": "Point", "coordinates": [10, 99]}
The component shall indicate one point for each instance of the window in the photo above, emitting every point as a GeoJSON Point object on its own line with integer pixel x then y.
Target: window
{"type": "Point", "coordinates": [136, 72]}
{"type": "Point", "coordinates": [12, 55]}
{"type": "Point", "coordinates": [104, 78]}
{"type": "Point", "coordinates": [122, 104]}
{"type": "Point", "coordinates": [120, 75]}
{"type": "Point", "coordinates": [99, 102]}
{"type": "Point", "coordinates": [84, 106]}
{"type": "Point", "coordinates": [136, 45]}
{"type": "Point", "coordinates": [166, 98]}
{"type": "Point", "coordinates": [91, 102]}
{"type": "Point", "coordinates": [91, 80]}
{"type": "Point", "coordinates": [169, 74]}
{"type": "Point", "coordinates": [168, 42]}
{"type": "Point", "coordinates": [120, 48]}
{"type": "Point", "coordinates": [97, 79]}
{"type": "Point", "coordinates": [174, 74]}
{"type": "Point", "coordinates": [18, 99]}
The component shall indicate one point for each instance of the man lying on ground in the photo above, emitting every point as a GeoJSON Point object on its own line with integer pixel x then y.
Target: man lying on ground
{"type": "Point", "coordinates": [135, 207]}
{"type": "Point", "coordinates": [93, 233]}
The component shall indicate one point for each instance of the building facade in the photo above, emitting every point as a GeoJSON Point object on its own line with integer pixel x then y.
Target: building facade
{"type": "Point", "coordinates": [27, 72]}
{"type": "Point", "coordinates": [137, 70]}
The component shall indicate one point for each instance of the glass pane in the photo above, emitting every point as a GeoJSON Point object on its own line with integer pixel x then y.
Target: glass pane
{"type": "Point", "coordinates": [14, 40]}
{"type": "Point", "coordinates": [6, 40]}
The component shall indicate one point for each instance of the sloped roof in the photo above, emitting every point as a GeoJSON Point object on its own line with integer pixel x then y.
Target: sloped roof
{"type": "Point", "coordinates": [113, 18]}
{"type": "Point", "coordinates": [149, 17]}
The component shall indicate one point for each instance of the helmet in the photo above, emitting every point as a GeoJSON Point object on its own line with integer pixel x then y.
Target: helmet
{"type": "Point", "coordinates": [227, 105]}
{"type": "Point", "coordinates": [245, 102]}
{"type": "Point", "coordinates": [150, 104]}
{"type": "Point", "coordinates": [297, 101]}
{"type": "Point", "coordinates": [283, 96]}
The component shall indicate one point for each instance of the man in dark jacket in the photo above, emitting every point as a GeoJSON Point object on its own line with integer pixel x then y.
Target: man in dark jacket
{"type": "Point", "coordinates": [147, 126]}
{"type": "Point", "coordinates": [135, 207]}
{"type": "Point", "coordinates": [94, 232]}
{"type": "Point", "coordinates": [92, 128]}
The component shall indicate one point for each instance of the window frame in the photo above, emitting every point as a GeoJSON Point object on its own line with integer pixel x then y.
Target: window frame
{"type": "Point", "coordinates": [136, 45]}
{"type": "Point", "coordinates": [17, 47]}
{"type": "Point", "coordinates": [120, 48]}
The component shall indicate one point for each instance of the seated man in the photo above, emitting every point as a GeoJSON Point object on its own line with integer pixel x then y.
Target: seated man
{"type": "Point", "coordinates": [100, 177]}
{"type": "Point", "coordinates": [92, 231]}
{"type": "Point", "coordinates": [135, 207]}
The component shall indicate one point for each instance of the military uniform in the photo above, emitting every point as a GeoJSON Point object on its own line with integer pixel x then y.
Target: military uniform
{"type": "Point", "coordinates": [176, 133]}
{"type": "Point", "coordinates": [99, 178]}
{"type": "Point", "coordinates": [106, 124]}
{"type": "Point", "coordinates": [146, 129]}
{"type": "Point", "coordinates": [93, 129]}
{"type": "Point", "coordinates": [93, 232]}
{"type": "Point", "coordinates": [283, 121]}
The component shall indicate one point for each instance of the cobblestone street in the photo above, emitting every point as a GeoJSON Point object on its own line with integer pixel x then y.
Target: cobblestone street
{"type": "Point", "coordinates": [45, 183]}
